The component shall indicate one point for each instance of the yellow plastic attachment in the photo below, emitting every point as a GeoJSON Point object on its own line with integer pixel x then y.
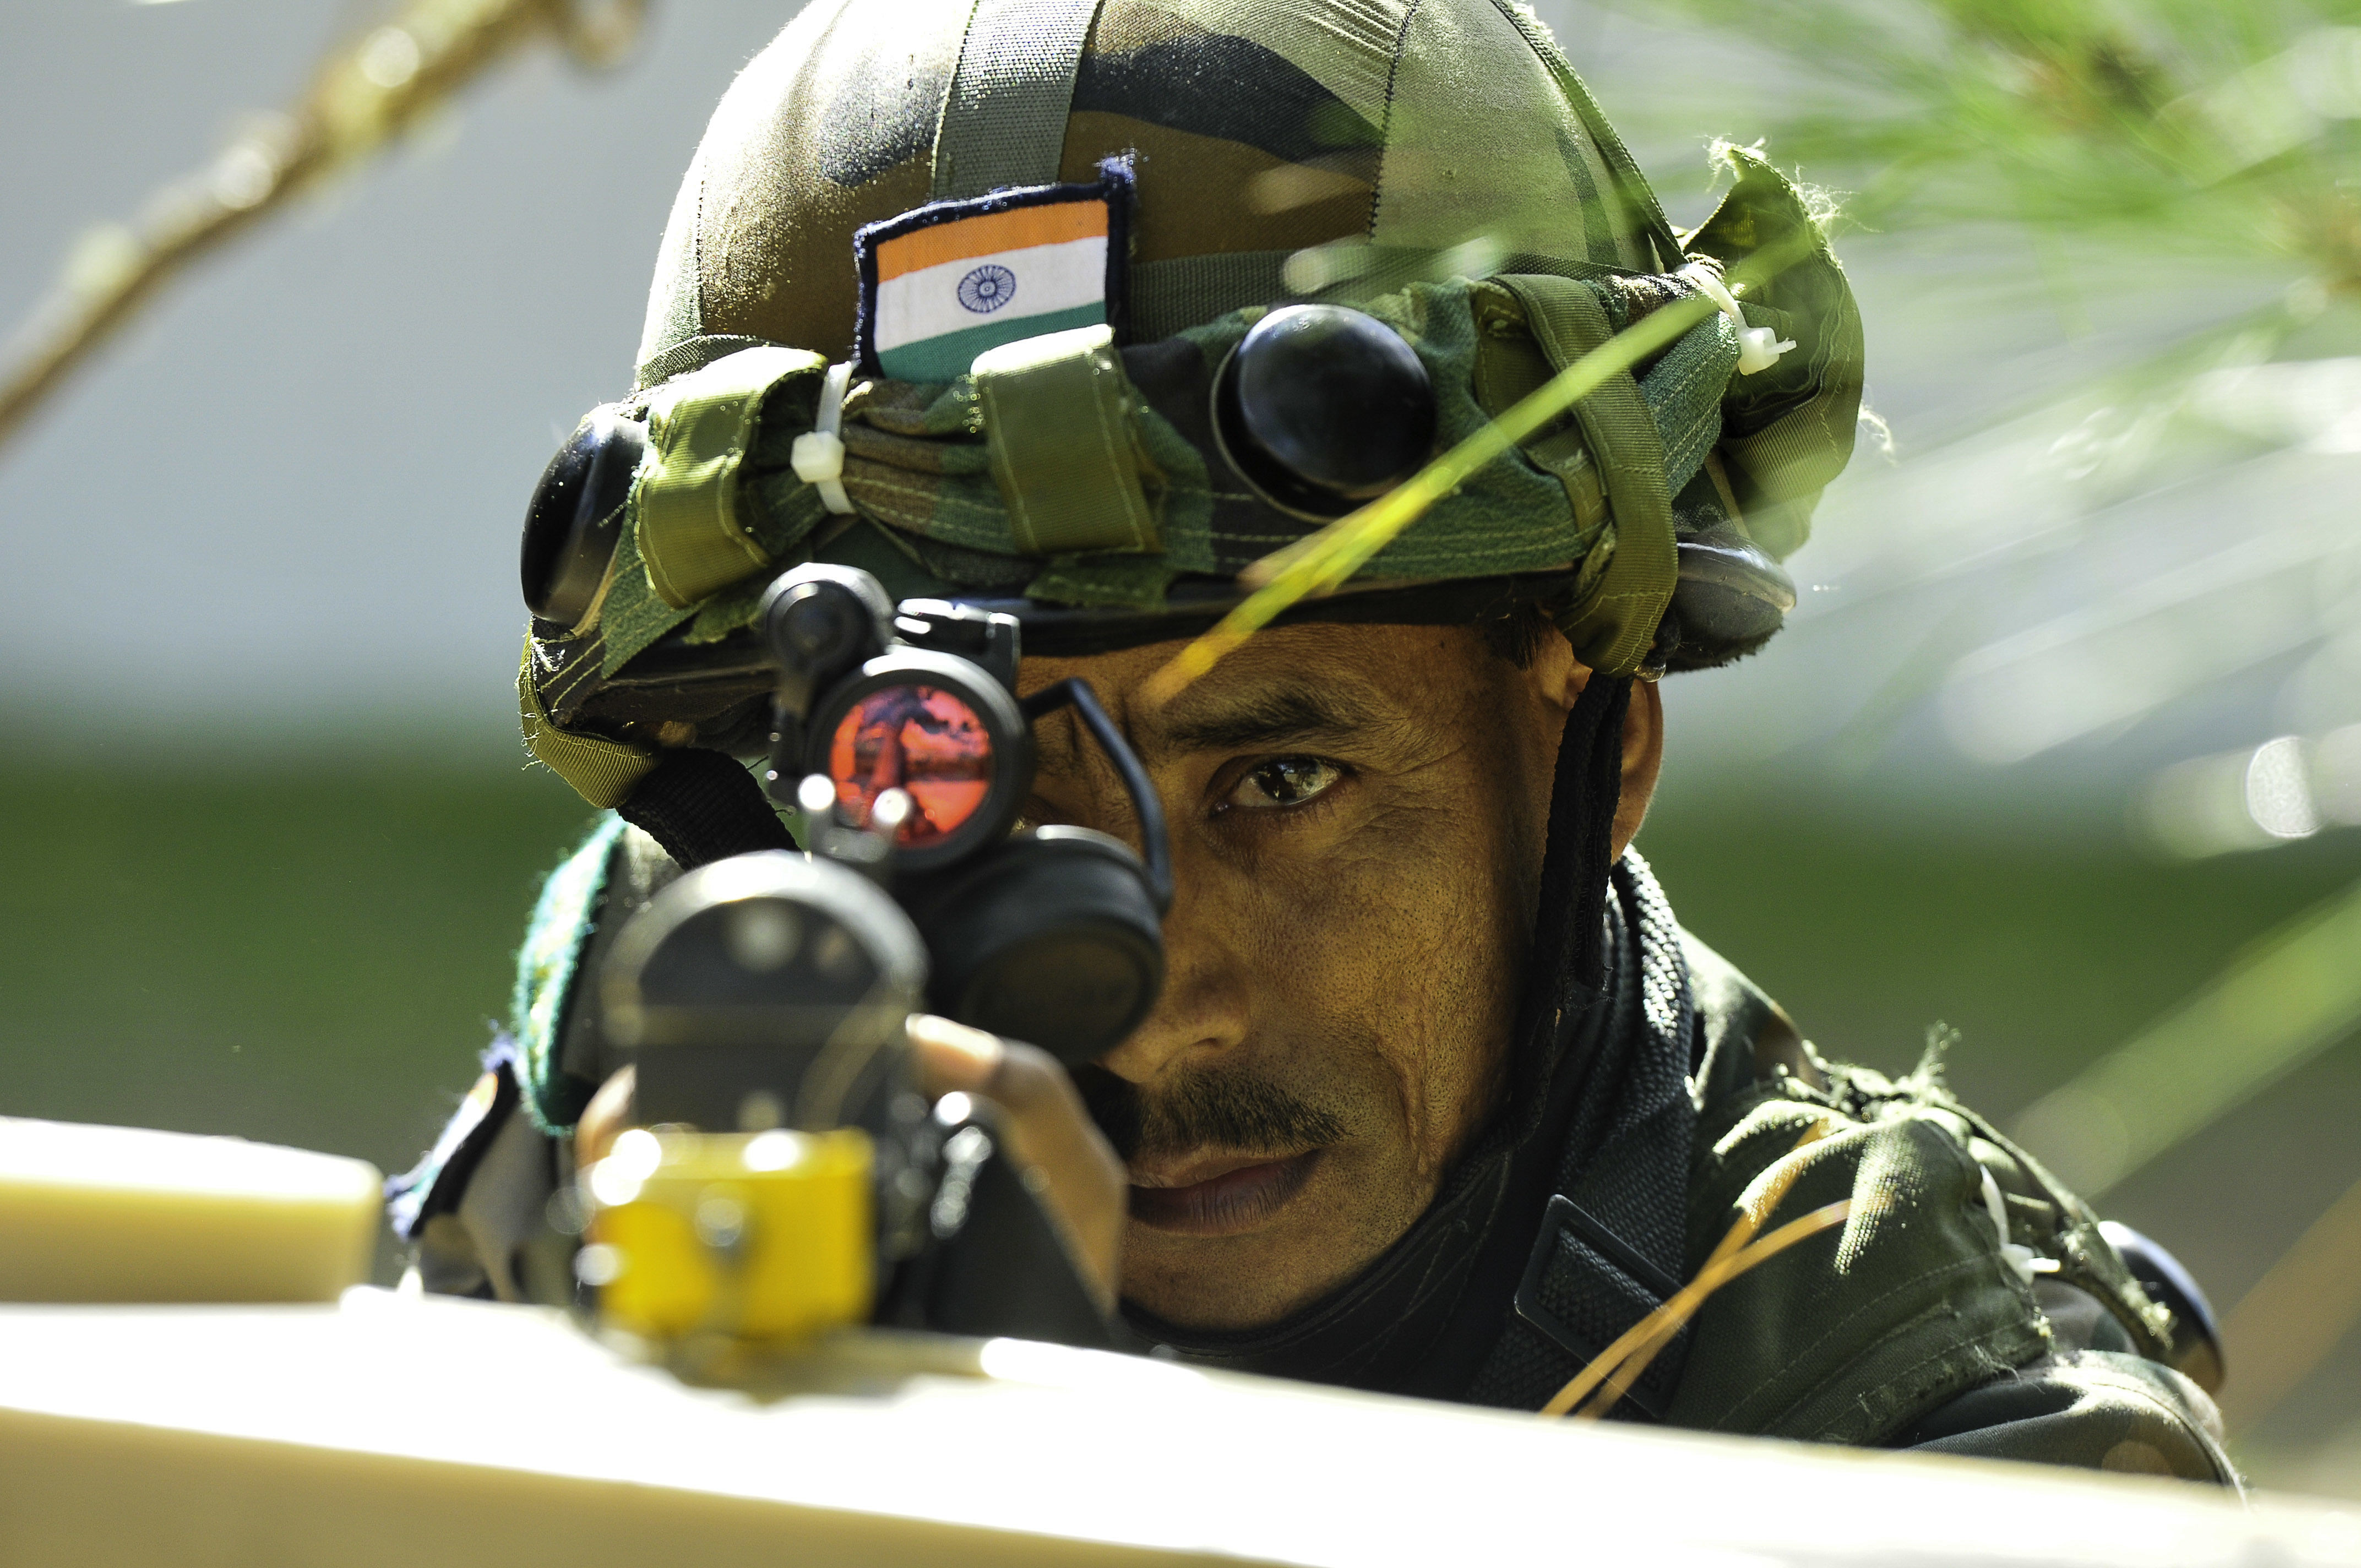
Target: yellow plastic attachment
{"type": "Point", "coordinates": [758, 1236]}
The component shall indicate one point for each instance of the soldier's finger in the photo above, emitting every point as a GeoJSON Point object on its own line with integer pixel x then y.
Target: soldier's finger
{"type": "Point", "coordinates": [1047, 1129]}
{"type": "Point", "coordinates": [603, 1120]}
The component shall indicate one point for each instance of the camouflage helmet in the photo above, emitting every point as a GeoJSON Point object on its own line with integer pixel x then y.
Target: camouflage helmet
{"type": "Point", "coordinates": [1256, 131]}
{"type": "Point", "coordinates": [1435, 164]}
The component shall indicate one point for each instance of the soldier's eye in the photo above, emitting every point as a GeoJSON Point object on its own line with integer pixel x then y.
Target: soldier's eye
{"type": "Point", "coordinates": [1284, 781]}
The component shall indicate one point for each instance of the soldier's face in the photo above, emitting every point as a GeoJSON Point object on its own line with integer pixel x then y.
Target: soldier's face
{"type": "Point", "coordinates": [1358, 817]}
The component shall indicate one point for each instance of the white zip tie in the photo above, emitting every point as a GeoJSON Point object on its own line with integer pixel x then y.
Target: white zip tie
{"type": "Point", "coordinates": [818, 453]}
{"type": "Point", "coordinates": [1759, 348]}
{"type": "Point", "coordinates": [2018, 1256]}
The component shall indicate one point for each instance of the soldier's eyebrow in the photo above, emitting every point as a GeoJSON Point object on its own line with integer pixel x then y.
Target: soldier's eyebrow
{"type": "Point", "coordinates": [1270, 717]}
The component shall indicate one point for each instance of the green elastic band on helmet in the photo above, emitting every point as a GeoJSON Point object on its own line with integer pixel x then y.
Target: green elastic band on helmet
{"type": "Point", "coordinates": [1613, 626]}
{"type": "Point", "coordinates": [693, 535]}
{"type": "Point", "coordinates": [1058, 424]}
{"type": "Point", "coordinates": [1050, 454]}
{"type": "Point", "coordinates": [601, 772]}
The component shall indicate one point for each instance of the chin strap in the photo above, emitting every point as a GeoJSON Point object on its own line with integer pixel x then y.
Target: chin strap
{"type": "Point", "coordinates": [701, 806]}
{"type": "Point", "coordinates": [1572, 927]}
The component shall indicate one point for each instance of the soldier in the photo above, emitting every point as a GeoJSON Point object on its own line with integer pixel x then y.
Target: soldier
{"type": "Point", "coordinates": [1439, 1099]}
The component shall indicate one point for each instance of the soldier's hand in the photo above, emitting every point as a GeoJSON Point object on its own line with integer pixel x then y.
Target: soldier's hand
{"type": "Point", "coordinates": [1082, 1186]}
{"type": "Point", "coordinates": [604, 1119]}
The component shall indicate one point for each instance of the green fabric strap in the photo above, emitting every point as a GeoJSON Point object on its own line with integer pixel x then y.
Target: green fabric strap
{"type": "Point", "coordinates": [1684, 391]}
{"type": "Point", "coordinates": [1613, 626]}
{"type": "Point", "coordinates": [691, 532]}
{"type": "Point", "coordinates": [1058, 420]}
{"type": "Point", "coordinates": [1510, 368]}
{"type": "Point", "coordinates": [1004, 117]}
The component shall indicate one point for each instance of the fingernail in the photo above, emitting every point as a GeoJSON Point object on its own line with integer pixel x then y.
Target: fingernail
{"type": "Point", "coordinates": [964, 1055]}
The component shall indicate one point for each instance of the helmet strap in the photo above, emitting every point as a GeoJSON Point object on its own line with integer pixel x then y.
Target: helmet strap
{"type": "Point", "coordinates": [1569, 954]}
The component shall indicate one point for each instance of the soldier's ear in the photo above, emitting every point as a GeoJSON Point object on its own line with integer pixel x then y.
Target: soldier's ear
{"type": "Point", "coordinates": [1554, 670]}
{"type": "Point", "coordinates": [1644, 760]}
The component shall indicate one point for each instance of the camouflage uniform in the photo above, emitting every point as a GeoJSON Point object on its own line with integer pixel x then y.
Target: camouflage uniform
{"type": "Point", "coordinates": [1438, 164]}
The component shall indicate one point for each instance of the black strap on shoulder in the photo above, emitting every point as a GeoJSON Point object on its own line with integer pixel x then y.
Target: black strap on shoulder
{"type": "Point", "coordinates": [1585, 1286]}
{"type": "Point", "coordinates": [701, 806]}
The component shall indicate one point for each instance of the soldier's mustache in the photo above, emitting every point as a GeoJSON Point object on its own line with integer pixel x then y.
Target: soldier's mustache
{"type": "Point", "coordinates": [1225, 1108]}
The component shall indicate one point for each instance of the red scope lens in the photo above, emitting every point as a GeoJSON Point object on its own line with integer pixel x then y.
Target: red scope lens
{"type": "Point", "coordinates": [922, 740]}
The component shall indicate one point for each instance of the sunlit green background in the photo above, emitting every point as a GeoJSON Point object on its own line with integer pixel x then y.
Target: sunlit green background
{"type": "Point", "coordinates": [266, 850]}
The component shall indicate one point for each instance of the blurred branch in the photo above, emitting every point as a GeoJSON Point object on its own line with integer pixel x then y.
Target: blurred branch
{"type": "Point", "coordinates": [2295, 1314]}
{"type": "Point", "coordinates": [2186, 177]}
{"type": "Point", "coordinates": [362, 98]}
{"type": "Point", "coordinates": [2293, 995]}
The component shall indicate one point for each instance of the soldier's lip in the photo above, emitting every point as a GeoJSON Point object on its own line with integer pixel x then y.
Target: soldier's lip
{"type": "Point", "coordinates": [1222, 1196]}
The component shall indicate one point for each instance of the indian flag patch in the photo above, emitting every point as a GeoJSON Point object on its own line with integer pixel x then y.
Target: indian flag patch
{"type": "Point", "coordinates": [940, 285]}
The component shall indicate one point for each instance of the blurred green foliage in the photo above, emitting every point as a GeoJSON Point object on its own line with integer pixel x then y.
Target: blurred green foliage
{"type": "Point", "coordinates": [305, 952]}
{"type": "Point", "coordinates": [2042, 951]}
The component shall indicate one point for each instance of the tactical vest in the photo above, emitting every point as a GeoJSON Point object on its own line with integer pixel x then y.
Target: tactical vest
{"type": "Point", "coordinates": [1851, 1336]}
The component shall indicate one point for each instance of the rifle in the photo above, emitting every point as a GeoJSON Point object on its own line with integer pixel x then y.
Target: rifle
{"type": "Point", "coordinates": [787, 1177]}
